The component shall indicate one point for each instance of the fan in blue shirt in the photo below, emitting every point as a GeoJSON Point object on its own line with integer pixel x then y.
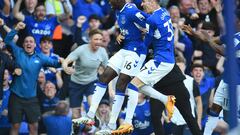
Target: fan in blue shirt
{"type": "Point", "coordinates": [142, 117]}
{"type": "Point", "coordinates": [59, 123]}
{"type": "Point", "coordinates": [39, 25]}
{"type": "Point", "coordinates": [30, 62]}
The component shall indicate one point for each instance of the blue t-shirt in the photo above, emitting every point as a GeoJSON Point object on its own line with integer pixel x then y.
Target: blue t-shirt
{"type": "Point", "coordinates": [131, 20]}
{"type": "Point", "coordinates": [40, 28]}
{"type": "Point", "coordinates": [25, 85]}
{"type": "Point", "coordinates": [50, 76]}
{"type": "Point", "coordinates": [160, 35]}
{"type": "Point", "coordinates": [205, 87]}
{"type": "Point", "coordinates": [58, 124]}
{"type": "Point", "coordinates": [141, 119]}
{"type": "Point", "coordinates": [49, 104]}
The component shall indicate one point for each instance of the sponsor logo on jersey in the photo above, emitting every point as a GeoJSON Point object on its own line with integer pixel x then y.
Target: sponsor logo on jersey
{"type": "Point", "coordinates": [41, 32]}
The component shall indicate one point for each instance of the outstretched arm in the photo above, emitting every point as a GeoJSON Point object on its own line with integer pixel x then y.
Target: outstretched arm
{"type": "Point", "coordinates": [16, 13]}
{"type": "Point", "coordinates": [10, 36]}
{"type": "Point", "coordinates": [203, 35]}
{"type": "Point", "coordinates": [6, 9]}
{"type": "Point", "coordinates": [7, 29]}
{"type": "Point", "coordinates": [218, 48]}
{"type": "Point", "coordinates": [71, 58]}
{"type": "Point", "coordinates": [66, 11]}
{"type": "Point", "coordinates": [66, 68]}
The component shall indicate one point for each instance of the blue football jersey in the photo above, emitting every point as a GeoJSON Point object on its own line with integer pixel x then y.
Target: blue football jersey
{"type": "Point", "coordinates": [38, 29]}
{"type": "Point", "coordinates": [160, 35]}
{"type": "Point", "coordinates": [131, 20]}
{"type": "Point", "coordinates": [50, 76]}
{"type": "Point", "coordinates": [236, 41]}
{"type": "Point", "coordinates": [142, 119]}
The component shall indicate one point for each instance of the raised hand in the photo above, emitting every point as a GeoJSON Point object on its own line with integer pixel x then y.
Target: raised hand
{"type": "Point", "coordinates": [120, 38]}
{"type": "Point", "coordinates": [20, 26]}
{"type": "Point", "coordinates": [81, 19]}
{"type": "Point", "coordinates": [69, 70]}
{"type": "Point", "coordinates": [205, 36]}
{"type": "Point", "coordinates": [188, 29]}
{"type": "Point", "coordinates": [17, 71]}
{"type": "Point", "coordinates": [218, 6]}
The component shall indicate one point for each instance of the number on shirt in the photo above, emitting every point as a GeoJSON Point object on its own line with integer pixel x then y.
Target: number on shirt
{"type": "Point", "coordinates": [128, 65]}
{"type": "Point", "coordinates": [168, 24]}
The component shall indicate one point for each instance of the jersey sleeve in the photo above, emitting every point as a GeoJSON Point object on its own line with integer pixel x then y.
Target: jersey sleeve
{"type": "Point", "coordinates": [150, 33]}
{"type": "Point", "coordinates": [139, 18]}
{"type": "Point", "coordinates": [49, 62]}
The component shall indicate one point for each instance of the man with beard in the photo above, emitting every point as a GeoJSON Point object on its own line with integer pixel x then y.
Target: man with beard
{"type": "Point", "coordinates": [39, 25]}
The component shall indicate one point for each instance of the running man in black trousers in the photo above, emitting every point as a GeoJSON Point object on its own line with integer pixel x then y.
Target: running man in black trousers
{"type": "Point", "coordinates": [172, 84]}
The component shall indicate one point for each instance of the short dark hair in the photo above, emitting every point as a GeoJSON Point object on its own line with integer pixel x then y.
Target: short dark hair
{"type": "Point", "coordinates": [46, 38]}
{"type": "Point", "coordinates": [62, 108]}
{"type": "Point", "coordinates": [105, 101]}
{"type": "Point", "coordinates": [95, 17]}
{"type": "Point", "coordinates": [39, 4]}
{"type": "Point", "coordinates": [95, 31]}
{"type": "Point", "coordinates": [30, 35]}
{"type": "Point", "coordinates": [197, 66]}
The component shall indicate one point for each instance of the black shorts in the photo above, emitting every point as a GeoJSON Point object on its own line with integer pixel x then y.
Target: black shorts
{"type": "Point", "coordinates": [19, 108]}
{"type": "Point", "coordinates": [172, 84]}
{"type": "Point", "coordinates": [174, 76]}
{"type": "Point", "coordinates": [77, 91]}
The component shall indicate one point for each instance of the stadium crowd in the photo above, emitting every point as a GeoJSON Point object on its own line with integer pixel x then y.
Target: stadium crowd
{"type": "Point", "coordinates": [52, 53]}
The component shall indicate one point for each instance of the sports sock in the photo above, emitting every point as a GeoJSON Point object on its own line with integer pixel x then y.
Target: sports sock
{"type": "Point", "coordinates": [132, 102]}
{"type": "Point", "coordinates": [151, 92]}
{"type": "Point", "coordinates": [211, 123]}
{"type": "Point", "coordinates": [116, 108]}
{"type": "Point", "coordinates": [96, 98]}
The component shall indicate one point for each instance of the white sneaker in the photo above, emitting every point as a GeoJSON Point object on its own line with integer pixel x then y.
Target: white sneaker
{"type": "Point", "coordinates": [83, 120]}
{"type": "Point", "coordinates": [104, 132]}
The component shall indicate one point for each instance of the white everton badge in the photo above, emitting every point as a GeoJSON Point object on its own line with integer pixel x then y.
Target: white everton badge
{"type": "Point", "coordinates": [36, 61]}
